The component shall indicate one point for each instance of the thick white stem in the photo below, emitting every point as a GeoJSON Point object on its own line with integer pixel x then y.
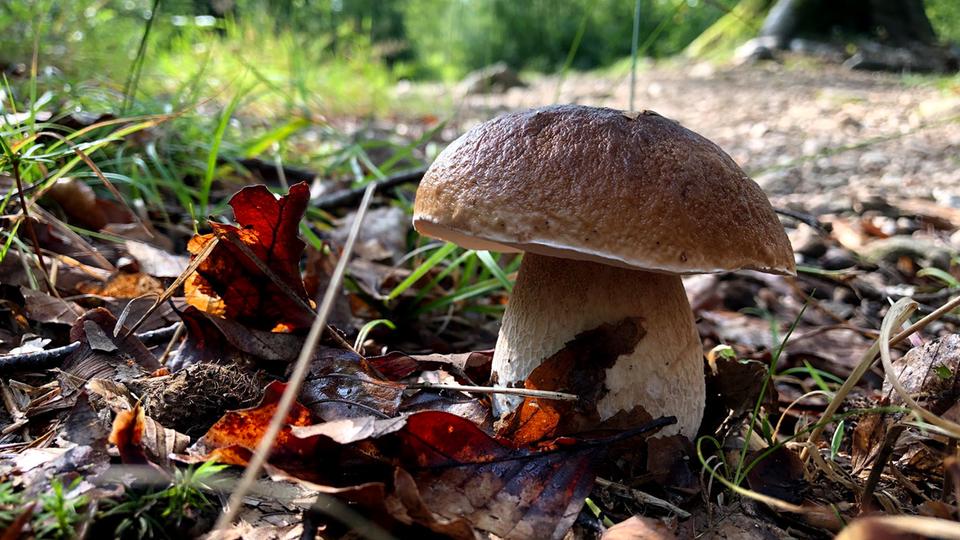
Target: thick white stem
{"type": "Point", "coordinates": [556, 299]}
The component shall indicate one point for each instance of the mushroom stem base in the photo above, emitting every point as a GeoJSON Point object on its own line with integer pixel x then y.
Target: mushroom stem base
{"type": "Point", "coordinates": [554, 300]}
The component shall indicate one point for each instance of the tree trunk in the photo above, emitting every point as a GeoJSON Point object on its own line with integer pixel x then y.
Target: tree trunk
{"type": "Point", "coordinates": [893, 35]}
{"type": "Point", "coordinates": [899, 22]}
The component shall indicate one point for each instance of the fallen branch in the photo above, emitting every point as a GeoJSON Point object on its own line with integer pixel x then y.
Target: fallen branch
{"type": "Point", "coordinates": [643, 498]}
{"type": "Point", "coordinates": [51, 357]}
{"type": "Point", "coordinates": [526, 392]}
{"type": "Point", "coordinates": [352, 196]}
{"type": "Point", "coordinates": [803, 217]}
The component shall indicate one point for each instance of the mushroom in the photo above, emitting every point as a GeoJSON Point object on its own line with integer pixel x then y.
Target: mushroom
{"type": "Point", "coordinates": [611, 209]}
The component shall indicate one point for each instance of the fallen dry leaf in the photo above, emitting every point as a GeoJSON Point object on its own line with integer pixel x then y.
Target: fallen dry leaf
{"type": "Point", "coordinates": [462, 473]}
{"type": "Point", "coordinates": [79, 203]}
{"type": "Point", "coordinates": [229, 284]}
{"type": "Point", "coordinates": [867, 440]}
{"type": "Point", "coordinates": [407, 506]}
{"type": "Point", "coordinates": [101, 355]}
{"type": "Point", "coordinates": [930, 373]}
{"type": "Point", "coordinates": [778, 474]}
{"type": "Point", "coordinates": [141, 439]}
{"type": "Point", "coordinates": [43, 308]}
{"type": "Point", "coordinates": [233, 438]}
{"type": "Point", "coordinates": [580, 369]}
{"type": "Point", "coordinates": [733, 387]}
{"type": "Point", "coordinates": [214, 339]}
{"type": "Point", "coordinates": [127, 436]}
{"type": "Point", "coordinates": [156, 262]}
{"type": "Point", "coordinates": [875, 528]}
{"type": "Point", "coordinates": [350, 430]}
{"type": "Point", "coordinates": [453, 402]}
{"type": "Point", "coordinates": [397, 365]}
{"type": "Point", "coordinates": [453, 470]}
{"type": "Point", "coordinates": [341, 384]}
{"type": "Point", "coordinates": [124, 285]}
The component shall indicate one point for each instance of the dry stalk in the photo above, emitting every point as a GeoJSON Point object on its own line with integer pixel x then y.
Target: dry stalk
{"type": "Point", "coordinates": [295, 381]}
{"type": "Point", "coordinates": [867, 360]}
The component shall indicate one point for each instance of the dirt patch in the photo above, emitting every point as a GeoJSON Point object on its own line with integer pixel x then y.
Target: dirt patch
{"type": "Point", "coordinates": [816, 137]}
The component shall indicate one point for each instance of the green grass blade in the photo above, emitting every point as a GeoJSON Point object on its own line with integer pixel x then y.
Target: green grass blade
{"type": "Point", "coordinates": [476, 289]}
{"type": "Point", "coordinates": [837, 439]}
{"type": "Point", "coordinates": [215, 151]}
{"type": "Point", "coordinates": [274, 136]}
{"type": "Point", "coordinates": [495, 269]}
{"type": "Point", "coordinates": [940, 275]}
{"type": "Point", "coordinates": [365, 330]}
{"type": "Point", "coordinates": [421, 270]}
{"type": "Point", "coordinates": [443, 274]}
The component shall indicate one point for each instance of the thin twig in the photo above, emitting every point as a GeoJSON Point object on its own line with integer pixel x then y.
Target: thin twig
{"type": "Point", "coordinates": [543, 394]}
{"type": "Point", "coordinates": [290, 393]}
{"type": "Point", "coordinates": [15, 164]}
{"type": "Point", "coordinates": [643, 498]}
{"type": "Point", "coordinates": [180, 328]}
{"type": "Point", "coordinates": [169, 291]}
{"type": "Point", "coordinates": [51, 357]}
{"type": "Point", "coordinates": [806, 218]}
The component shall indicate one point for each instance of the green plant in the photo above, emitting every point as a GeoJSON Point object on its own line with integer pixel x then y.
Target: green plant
{"type": "Point", "coordinates": [450, 38]}
{"type": "Point", "coordinates": [736, 476]}
{"type": "Point", "coordinates": [161, 514]}
{"type": "Point", "coordinates": [940, 275]}
{"type": "Point", "coordinates": [945, 18]}
{"type": "Point", "coordinates": [60, 513]}
{"type": "Point", "coordinates": [11, 504]}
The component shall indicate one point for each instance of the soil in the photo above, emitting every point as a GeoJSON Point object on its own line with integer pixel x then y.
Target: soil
{"type": "Point", "coordinates": [817, 138]}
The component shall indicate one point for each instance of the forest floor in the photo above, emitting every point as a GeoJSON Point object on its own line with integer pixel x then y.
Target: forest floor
{"type": "Point", "coordinates": [100, 413]}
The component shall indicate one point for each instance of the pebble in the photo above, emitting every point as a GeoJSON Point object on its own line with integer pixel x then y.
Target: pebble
{"type": "Point", "coordinates": [837, 259]}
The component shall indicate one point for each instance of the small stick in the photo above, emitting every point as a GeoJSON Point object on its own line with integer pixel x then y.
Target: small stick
{"type": "Point", "coordinates": [889, 442]}
{"type": "Point", "coordinates": [544, 394]}
{"type": "Point", "coordinates": [180, 328]}
{"type": "Point", "coordinates": [169, 291]}
{"type": "Point", "coordinates": [295, 381]}
{"type": "Point", "coordinates": [803, 217]}
{"type": "Point", "coordinates": [644, 498]}
{"type": "Point", "coordinates": [51, 357]}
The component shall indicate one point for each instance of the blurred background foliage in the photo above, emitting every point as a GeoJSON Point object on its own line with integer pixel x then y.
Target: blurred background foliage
{"type": "Point", "coordinates": [256, 78]}
{"type": "Point", "coordinates": [418, 39]}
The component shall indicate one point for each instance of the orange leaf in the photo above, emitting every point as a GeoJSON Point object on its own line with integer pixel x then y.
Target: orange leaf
{"type": "Point", "coordinates": [233, 438]}
{"type": "Point", "coordinates": [229, 284]}
{"type": "Point", "coordinates": [127, 435]}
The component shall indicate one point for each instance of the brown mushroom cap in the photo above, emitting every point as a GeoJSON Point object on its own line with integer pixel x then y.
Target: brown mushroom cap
{"type": "Point", "coordinates": [627, 189]}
